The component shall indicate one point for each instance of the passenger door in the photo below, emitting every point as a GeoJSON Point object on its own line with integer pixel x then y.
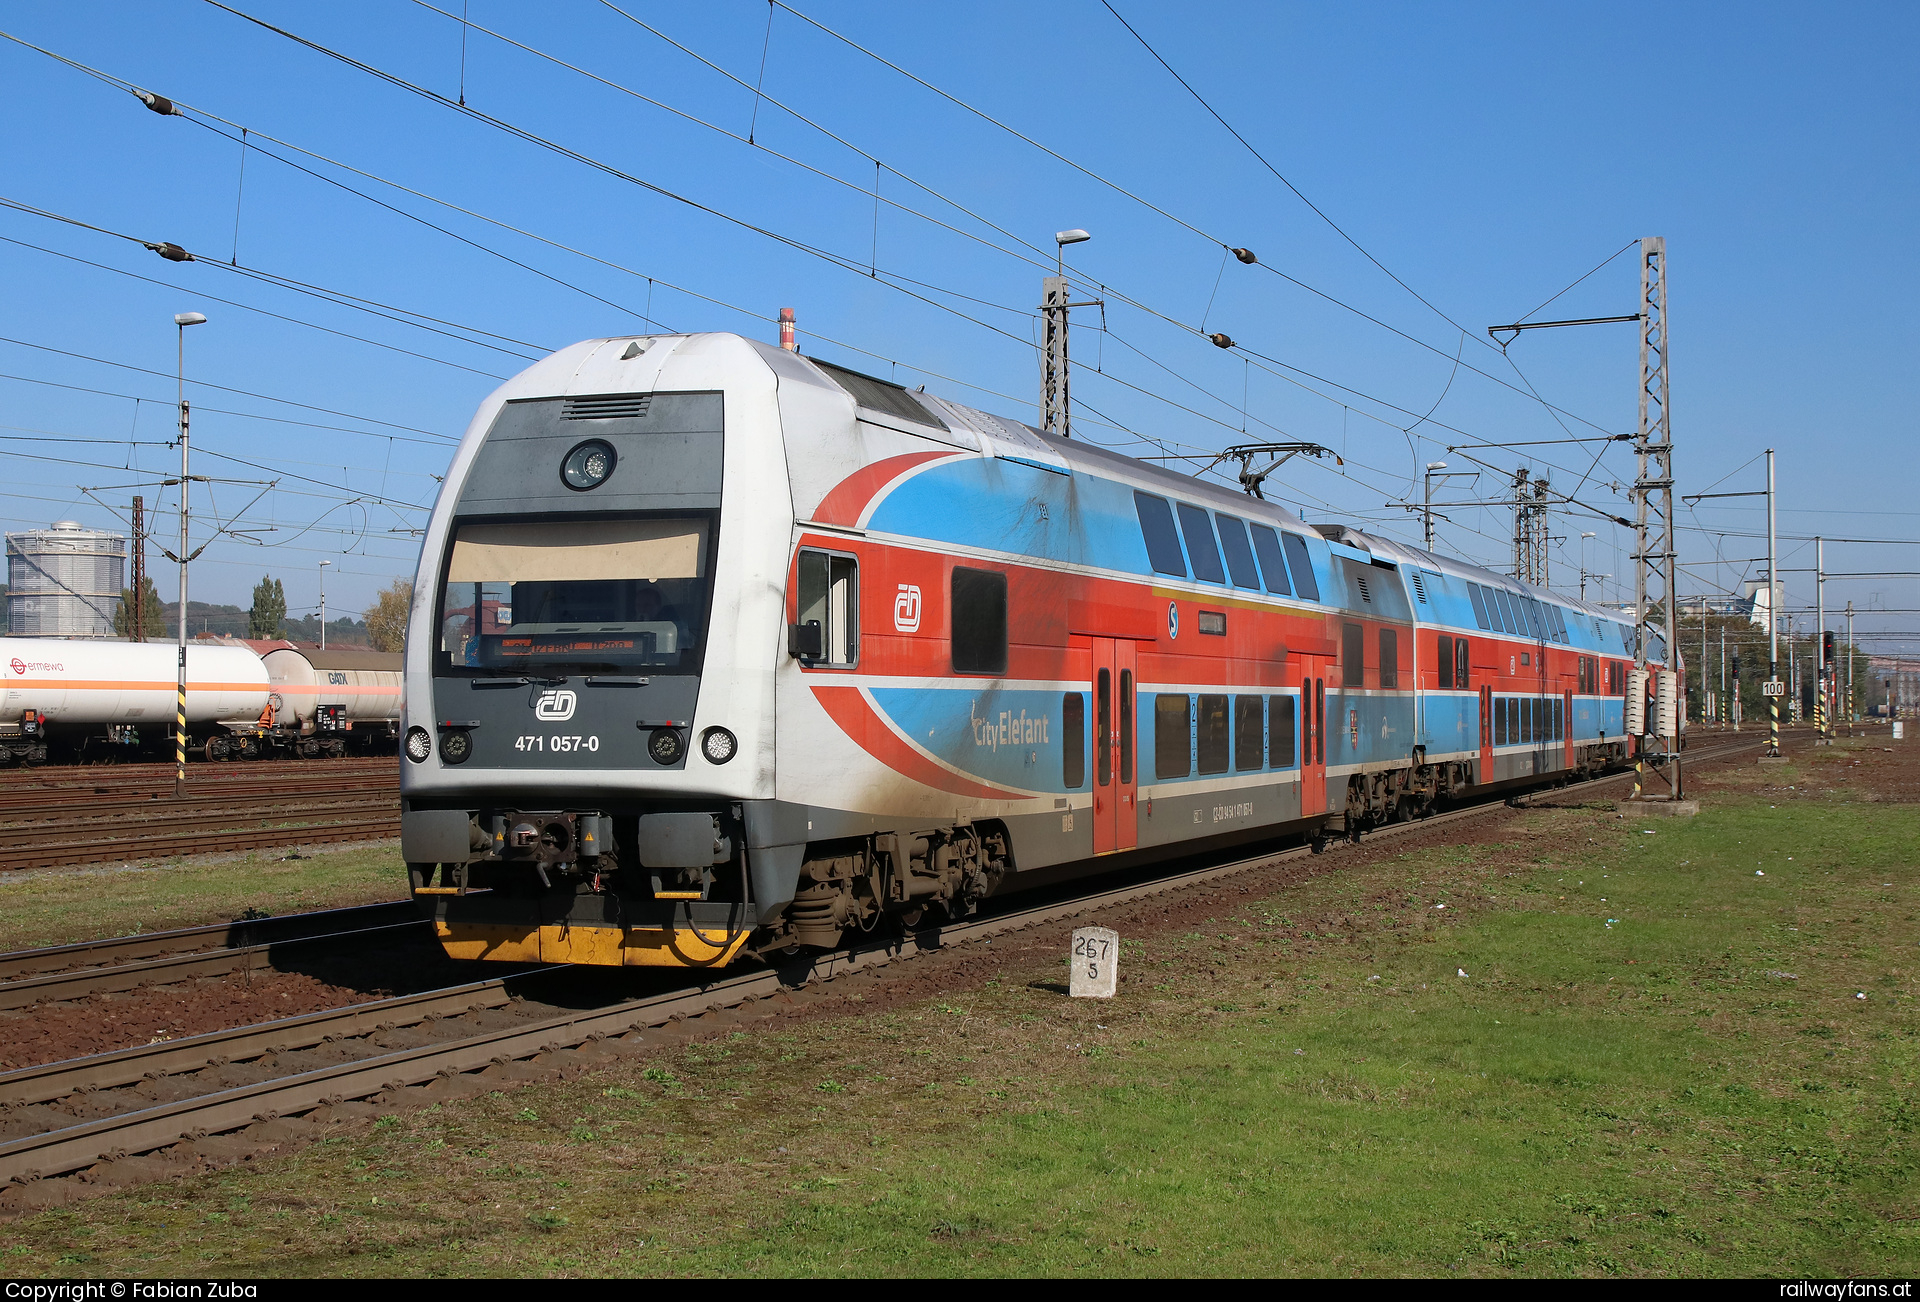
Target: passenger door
{"type": "Point", "coordinates": [1486, 733]}
{"type": "Point", "coordinates": [1313, 734]}
{"type": "Point", "coordinates": [1115, 746]}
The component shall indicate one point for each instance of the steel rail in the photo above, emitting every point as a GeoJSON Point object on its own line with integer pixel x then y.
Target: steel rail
{"type": "Point", "coordinates": [74, 853]}
{"type": "Point", "coordinates": [176, 967]}
{"type": "Point", "coordinates": [238, 934]}
{"type": "Point", "coordinates": [145, 1130]}
{"type": "Point", "coordinates": [226, 818]}
{"type": "Point", "coordinates": [88, 774]}
{"type": "Point", "coordinates": [44, 809]}
{"type": "Point", "coordinates": [49, 1081]}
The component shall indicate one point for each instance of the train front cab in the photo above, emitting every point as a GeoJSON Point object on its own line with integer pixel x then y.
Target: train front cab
{"type": "Point", "coordinates": [588, 744]}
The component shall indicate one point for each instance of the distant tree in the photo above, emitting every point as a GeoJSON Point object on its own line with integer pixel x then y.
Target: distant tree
{"type": "Point", "coordinates": [268, 618]}
{"type": "Point", "coordinates": [387, 617]}
{"type": "Point", "coordinates": [153, 614]}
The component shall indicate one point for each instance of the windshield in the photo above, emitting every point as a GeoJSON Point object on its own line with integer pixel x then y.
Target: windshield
{"type": "Point", "coordinates": [542, 597]}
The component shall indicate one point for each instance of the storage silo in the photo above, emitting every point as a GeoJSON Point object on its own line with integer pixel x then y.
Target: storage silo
{"type": "Point", "coordinates": [64, 581]}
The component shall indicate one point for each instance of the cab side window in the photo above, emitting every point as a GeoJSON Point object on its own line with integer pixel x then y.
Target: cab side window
{"type": "Point", "coordinates": [830, 600]}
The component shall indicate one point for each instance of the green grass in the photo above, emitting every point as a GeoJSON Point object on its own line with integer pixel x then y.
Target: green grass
{"type": "Point", "coordinates": [1299, 1084]}
{"type": "Point", "coordinates": [62, 906]}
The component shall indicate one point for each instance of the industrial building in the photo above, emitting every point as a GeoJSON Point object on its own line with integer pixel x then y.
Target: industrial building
{"type": "Point", "coordinates": [64, 581]}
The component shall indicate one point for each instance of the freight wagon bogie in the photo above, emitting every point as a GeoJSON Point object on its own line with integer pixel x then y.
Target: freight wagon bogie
{"type": "Point", "coordinates": [723, 651]}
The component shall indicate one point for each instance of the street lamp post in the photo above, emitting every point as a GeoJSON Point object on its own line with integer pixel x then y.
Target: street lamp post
{"type": "Point", "coordinates": [1583, 565]}
{"type": "Point", "coordinates": [323, 604]}
{"type": "Point", "coordinates": [181, 321]}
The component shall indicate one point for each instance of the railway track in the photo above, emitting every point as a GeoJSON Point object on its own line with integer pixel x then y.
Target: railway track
{"type": "Point", "coordinates": [31, 976]}
{"type": "Point", "coordinates": [81, 819]}
{"type": "Point", "coordinates": [103, 1111]}
{"type": "Point", "coordinates": [162, 775]}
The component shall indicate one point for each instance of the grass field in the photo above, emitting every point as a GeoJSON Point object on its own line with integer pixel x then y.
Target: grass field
{"type": "Point", "coordinates": [60, 906]}
{"type": "Point", "coordinates": [1674, 1048]}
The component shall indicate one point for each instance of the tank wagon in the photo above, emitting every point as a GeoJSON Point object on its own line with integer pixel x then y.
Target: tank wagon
{"type": "Point", "coordinates": [722, 650]}
{"type": "Point", "coordinates": [92, 697]}
{"type": "Point", "coordinates": [324, 701]}
{"type": "Point", "coordinates": [90, 700]}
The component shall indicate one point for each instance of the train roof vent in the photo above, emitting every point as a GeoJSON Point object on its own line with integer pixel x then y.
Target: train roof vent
{"type": "Point", "coordinates": [1419, 588]}
{"type": "Point", "coordinates": [881, 395]}
{"type": "Point", "coordinates": [1365, 595]}
{"type": "Point", "coordinates": [606, 406]}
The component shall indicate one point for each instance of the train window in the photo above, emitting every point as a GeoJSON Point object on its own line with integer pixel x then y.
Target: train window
{"type": "Point", "coordinates": [1125, 705]}
{"type": "Point", "coordinates": [1249, 734]}
{"type": "Point", "coordinates": [1443, 660]}
{"type": "Point", "coordinates": [979, 609]}
{"type": "Point", "coordinates": [1073, 740]}
{"type": "Point", "coordinates": [1103, 727]}
{"type": "Point", "coordinates": [1212, 739]}
{"type": "Point", "coordinates": [1353, 655]}
{"type": "Point", "coordinates": [1304, 584]}
{"type": "Point", "coordinates": [1479, 605]}
{"type": "Point", "coordinates": [591, 596]}
{"type": "Point", "coordinates": [1560, 625]}
{"type": "Point", "coordinates": [830, 597]}
{"type": "Point", "coordinates": [1495, 617]}
{"type": "Point", "coordinates": [1233, 541]}
{"type": "Point", "coordinates": [1513, 718]}
{"type": "Point", "coordinates": [1389, 657]}
{"type": "Point", "coordinates": [1538, 614]}
{"type": "Point", "coordinates": [1266, 544]}
{"type": "Point", "coordinates": [1529, 729]}
{"type": "Point", "coordinates": [1500, 721]}
{"type": "Point", "coordinates": [1509, 612]}
{"type": "Point", "coordinates": [1281, 732]}
{"type": "Point", "coordinates": [1319, 720]}
{"type": "Point", "coordinates": [1559, 720]}
{"type": "Point", "coordinates": [1460, 664]}
{"type": "Point", "coordinates": [1163, 544]}
{"type": "Point", "coordinates": [1172, 735]}
{"type": "Point", "coordinates": [1197, 528]}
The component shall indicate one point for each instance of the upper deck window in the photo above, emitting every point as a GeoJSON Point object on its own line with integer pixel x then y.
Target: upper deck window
{"type": "Point", "coordinates": [1156, 526]}
{"type": "Point", "coordinates": [1272, 568]}
{"type": "Point", "coordinates": [1304, 582]}
{"type": "Point", "coordinates": [979, 635]}
{"type": "Point", "coordinates": [1197, 529]}
{"type": "Point", "coordinates": [1233, 541]}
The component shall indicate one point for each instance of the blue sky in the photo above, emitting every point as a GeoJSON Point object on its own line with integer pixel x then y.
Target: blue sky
{"type": "Point", "coordinates": [1487, 155]}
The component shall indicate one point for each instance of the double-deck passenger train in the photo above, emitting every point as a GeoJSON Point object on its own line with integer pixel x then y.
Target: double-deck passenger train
{"type": "Point", "coordinates": [717, 650]}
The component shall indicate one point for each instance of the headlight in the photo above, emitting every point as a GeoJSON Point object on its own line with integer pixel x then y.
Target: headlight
{"type": "Point", "coordinates": [718, 745]}
{"type": "Point", "coordinates": [588, 465]}
{"type": "Point", "coordinates": [419, 745]}
{"type": "Point", "coordinates": [665, 746]}
{"type": "Point", "coordinates": [456, 746]}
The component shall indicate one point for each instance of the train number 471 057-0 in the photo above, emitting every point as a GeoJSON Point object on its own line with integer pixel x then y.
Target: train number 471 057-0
{"type": "Point", "coordinates": [555, 743]}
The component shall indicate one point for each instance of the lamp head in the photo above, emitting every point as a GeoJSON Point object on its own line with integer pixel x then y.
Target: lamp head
{"type": "Point", "coordinates": [1075, 236]}
{"type": "Point", "coordinates": [1436, 465]}
{"type": "Point", "coordinates": [188, 318]}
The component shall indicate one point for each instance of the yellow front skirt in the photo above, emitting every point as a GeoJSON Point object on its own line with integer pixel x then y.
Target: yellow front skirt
{"type": "Point", "coordinates": [602, 946]}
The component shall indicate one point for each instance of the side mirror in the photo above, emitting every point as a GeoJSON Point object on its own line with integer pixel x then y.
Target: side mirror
{"type": "Point", "coordinates": [806, 641]}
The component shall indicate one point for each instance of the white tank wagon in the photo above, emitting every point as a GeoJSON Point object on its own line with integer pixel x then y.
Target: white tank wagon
{"type": "Point", "coordinates": [322, 700]}
{"type": "Point", "coordinates": [91, 698]}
